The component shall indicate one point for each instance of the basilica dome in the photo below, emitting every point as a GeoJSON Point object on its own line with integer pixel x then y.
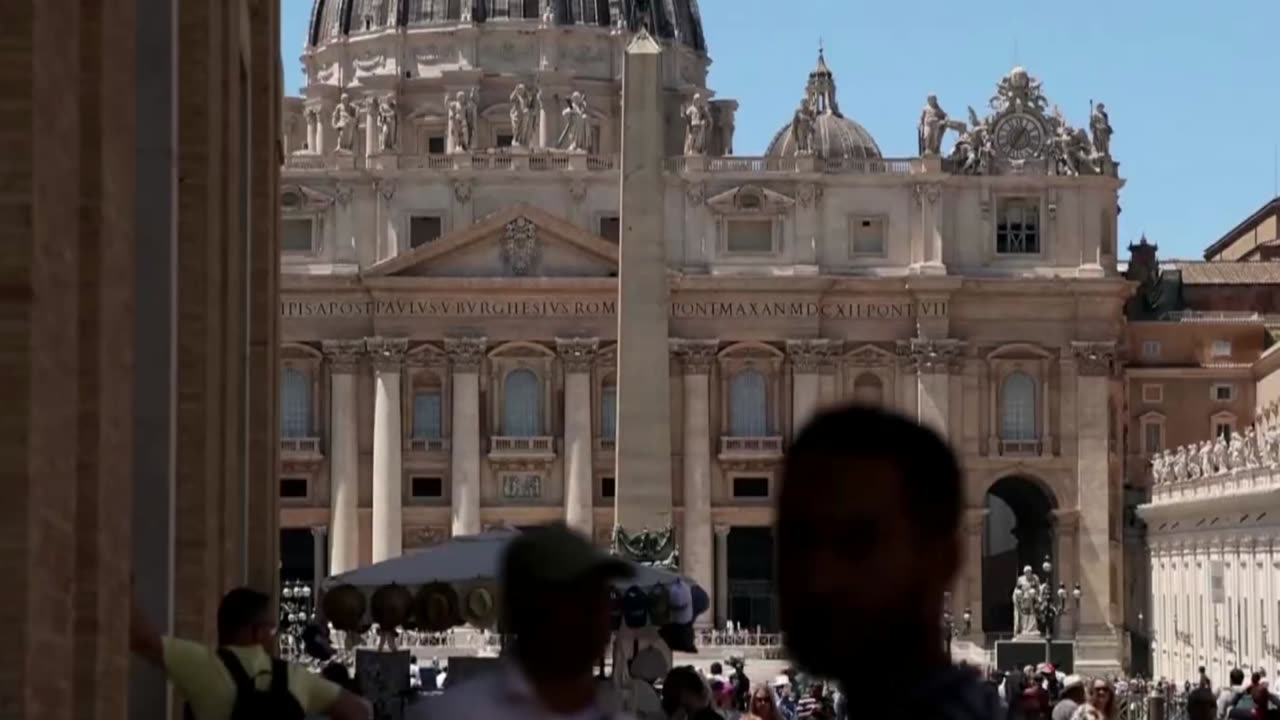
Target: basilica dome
{"type": "Point", "coordinates": [672, 20]}
{"type": "Point", "coordinates": [834, 135]}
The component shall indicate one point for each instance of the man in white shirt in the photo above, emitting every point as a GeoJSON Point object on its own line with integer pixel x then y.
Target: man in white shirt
{"type": "Point", "coordinates": [555, 589]}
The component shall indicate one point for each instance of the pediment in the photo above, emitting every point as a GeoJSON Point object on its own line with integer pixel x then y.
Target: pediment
{"type": "Point", "coordinates": [518, 241]}
{"type": "Point", "coordinates": [870, 356]}
{"type": "Point", "coordinates": [750, 200]}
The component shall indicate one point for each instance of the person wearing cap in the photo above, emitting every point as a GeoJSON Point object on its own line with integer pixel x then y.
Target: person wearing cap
{"type": "Point", "coordinates": [555, 605]}
{"type": "Point", "coordinates": [1072, 698]}
{"type": "Point", "coordinates": [868, 542]}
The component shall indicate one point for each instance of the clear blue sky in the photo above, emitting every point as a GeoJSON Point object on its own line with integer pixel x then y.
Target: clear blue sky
{"type": "Point", "coordinates": [1192, 86]}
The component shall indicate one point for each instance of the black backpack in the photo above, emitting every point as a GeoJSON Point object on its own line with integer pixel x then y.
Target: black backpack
{"type": "Point", "coordinates": [274, 703]}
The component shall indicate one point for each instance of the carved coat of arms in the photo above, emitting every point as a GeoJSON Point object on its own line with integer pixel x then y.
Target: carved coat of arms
{"type": "Point", "coordinates": [520, 246]}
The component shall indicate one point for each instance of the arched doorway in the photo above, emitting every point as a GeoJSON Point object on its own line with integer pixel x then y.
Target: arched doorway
{"type": "Point", "coordinates": [1019, 532]}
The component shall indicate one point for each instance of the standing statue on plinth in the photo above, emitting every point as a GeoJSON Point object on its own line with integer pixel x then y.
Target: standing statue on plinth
{"type": "Point", "coordinates": [802, 127]}
{"type": "Point", "coordinates": [388, 124]}
{"type": "Point", "coordinates": [697, 126]}
{"type": "Point", "coordinates": [525, 107]}
{"type": "Point", "coordinates": [1100, 124]}
{"type": "Point", "coordinates": [577, 120]}
{"type": "Point", "coordinates": [344, 120]}
{"type": "Point", "coordinates": [462, 120]}
{"type": "Point", "coordinates": [1026, 597]}
{"type": "Point", "coordinates": [933, 125]}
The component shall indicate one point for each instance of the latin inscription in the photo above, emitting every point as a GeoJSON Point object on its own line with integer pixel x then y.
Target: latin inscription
{"type": "Point", "coordinates": [709, 309]}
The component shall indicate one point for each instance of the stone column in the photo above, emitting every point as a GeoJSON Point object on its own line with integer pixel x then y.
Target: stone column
{"type": "Point", "coordinates": [697, 357]}
{"type": "Point", "coordinates": [344, 454]}
{"type": "Point", "coordinates": [465, 358]}
{"type": "Point", "coordinates": [319, 539]}
{"type": "Point", "coordinates": [643, 457]}
{"type": "Point", "coordinates": [1065, 523]}
{"type": "Point", "coordinates": [721, 593]}
{"type": "Point", "coordinates": [807, 358]}
{"type": "Point", "coordinates": [1094, 363]}
{"type": "Point", "coordinates": [975, 530]}
{"type": "Point", "coordinates": [387, 355]}
{"type": "Point", "coordinates": [370, 109]}
{"type": "Point", "coordinates": [933, 361]}
{"type": "Point", "coordinates": [929, 197]}
{"type": "Point", "coordinates": [578, 356]}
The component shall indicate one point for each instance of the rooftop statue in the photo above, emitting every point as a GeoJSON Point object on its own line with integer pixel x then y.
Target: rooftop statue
{"type": "Point", "coordinates": [462, 120]}
{"type": "Point", "coordinates": [345, 119]}
{"type": "Point", "coordinates": [576, 121]}
{"type": "Point", "coordinates": [697, 120]}
{"type": "Point", "coordinates": [525, 108]}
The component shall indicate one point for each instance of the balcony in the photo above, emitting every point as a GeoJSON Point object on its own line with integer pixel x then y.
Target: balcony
{"type": "Point", "coordinates": [735, 165]}
{"type": "Point", "coordinates": [750, 448]}
{"type": "Point", "coordinates": [428, 445]}
{"type": "Point", "coordinates": [606, 444]}
{"type": "Point", "coordinates": [300, 448]}
{"type": "Point", "coordinates": [481, 162]}
{"type": "Point", "coordinates": [535, 448]}
{"type": "Point", "coordinates": [1020, 448]}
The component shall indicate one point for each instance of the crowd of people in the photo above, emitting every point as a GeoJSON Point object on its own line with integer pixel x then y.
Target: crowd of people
{"type": "Point", "coordinates": [865, 494]}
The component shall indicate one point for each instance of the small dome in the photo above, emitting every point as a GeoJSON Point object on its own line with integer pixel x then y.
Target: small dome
{"type": "Point", "coordinates": [673, 20]}
{"type": "Point", "coordinates": [834, 135]}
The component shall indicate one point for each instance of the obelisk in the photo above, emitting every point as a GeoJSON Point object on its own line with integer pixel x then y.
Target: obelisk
{"type": "Point", "coordinates": [643, 473]}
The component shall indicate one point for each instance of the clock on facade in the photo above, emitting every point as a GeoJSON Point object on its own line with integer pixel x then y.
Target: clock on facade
{"type": "Point", "coordinates": [1019, 136]}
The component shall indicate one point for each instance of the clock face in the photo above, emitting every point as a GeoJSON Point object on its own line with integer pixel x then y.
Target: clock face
{"type": "Point", "coordinates": [1019, 137]}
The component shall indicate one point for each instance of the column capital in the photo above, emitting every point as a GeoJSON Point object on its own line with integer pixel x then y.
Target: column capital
{"type": "Point", "coordinates": [1066, 521]}
{"type": "Point", "coordinates": [696, 356]}
{"type": "Point", "coordinates": [721, 531]}
{"type": "Point", "coordinates": [465, 353]}
{"type": "Point", "coordinates": [1094, 359]}
{"type": "Point", "coordinates": [343, 355]}
{"type": "Point", "coordinates": [929, 356]}
{"type": "Point", "coordinates": [577, 354]}
{"type": "Point", "coordinates": [386, 354]}
{"type": "Point", "coordinates": [319, 531]}
{"type": "Point", "coordinates": [812, 355]}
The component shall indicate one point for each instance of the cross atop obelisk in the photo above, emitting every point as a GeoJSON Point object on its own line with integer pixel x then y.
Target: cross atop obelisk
{"type": "Point", "coordinates": [643, 471]}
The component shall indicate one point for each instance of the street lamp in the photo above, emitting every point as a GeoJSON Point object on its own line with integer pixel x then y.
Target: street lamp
{"type": "Point", "coordinates": [1051, 605]}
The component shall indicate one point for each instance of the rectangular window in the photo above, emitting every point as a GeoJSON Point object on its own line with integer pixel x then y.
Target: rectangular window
{"type": "Point", "coordinates": [751, 487]}
{"type": "Point", "coordinates": [424, 229]}
{"type": "Point", "coordinates": [750, 236]}
{"type": "Point", "coordinates": [1221, 348]}
{"type": "Point", "coordinates": [435, 145]}
{"type": "Point", "coordinates": [1018, 226]}
{"type": "Point", "coordinates": [608, 411]}
{"type": "Point", "coordinates": [1151, 349]}
{"type": "Point", "coordinates": [424, 486]}
{"type": "Point", "coordinates": [1152, 393]}
{"type": "Point", "coordinates": [1223, 392]}
{"type": "Point", "coordinates": [426, 415]}
{"type": "Point", "coordinates": [608, 488]}
{"type": "Point", "coordinates": [868, 236]}
{"type": "Point", "coordinates": [296, 235]}
{"type": "Point", "coordinates": [1152, 437]}
{"type": "Point", "coordinates": [1223, 429]}
{"type": "Point", "coordinates": [293, 488]}
{"type": "Point", "coordinates": [611, 228]}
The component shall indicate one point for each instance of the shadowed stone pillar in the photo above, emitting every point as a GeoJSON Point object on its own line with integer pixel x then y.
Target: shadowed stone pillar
{"type": "Point", "coordinates": [929, 196]}
{"type": "Point", "coordinates": [696, 559]}
{"type": "Point", "coordinates": [465, 357]}
{"type": "Point", "coordinates": [643, 470]}
{"type": "Point", "coordinates": [1093, 364]}
{"type": "Point", "coordinates": [721, 593]}
{"type": "Point", "coordinates": [578, 356]}
{"type": "Point", "coordinates": [344, 454]}
{"type": "Point", "coordinates": [807, 360]}
{"type": "Point", "coordinates": [932, 361]}
{"type": "Point", "coordinates": [387, 356]}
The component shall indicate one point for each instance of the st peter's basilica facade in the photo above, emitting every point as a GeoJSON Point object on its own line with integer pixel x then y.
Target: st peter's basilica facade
{"type": "Point", "coordinates": [450, 299]}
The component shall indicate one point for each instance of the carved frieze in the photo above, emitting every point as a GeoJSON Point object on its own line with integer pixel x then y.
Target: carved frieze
{"type": "Point", "coordinates": [927, 193]}
{"type": "Point", "coordinates": [465, 353]}
{"type": "Point", "coordinates": [577, 354]}
{"type": "Point", "coordinates": [808, 194]}
{"type": "Point", "coordinates": [1094, 359]}
{"type": "Point", "coordinates": [577, 191]}
{"type": "Point", "coordinates": [810, 356]}
{"type": "Point", "coordinates": [521, 247]}
{"type": "Point", "coordinates": [695, 193]}
{"type": "Point", "coordinates": [928, 356]}
{"type": "Point", "coordinates": [386, 354]}
{"type": "Point", "coordinates": [696, 356]}
{"type": "Point", "coordinates": [424, 536]}
{"type": "Point", "coordinates": [462, 191]}
{"type": "Point", "coordinates": [386, 189]}
{"type": "Point", "coordinates": [343, 355]}
{"type": "Point", "coordinates": [344, 192]}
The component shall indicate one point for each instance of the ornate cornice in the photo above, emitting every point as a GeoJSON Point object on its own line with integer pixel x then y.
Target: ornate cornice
{"type": "Point", "coordinates": [343, 355]}
{"type": "Point", "coordinates": [1094, 359]}
{"type": "Point", "coordinates": [813, 355]}
{"type": "Point", "coordinates": [465, 353]}
{"type": "Point", "coordinates": [932, 357]}
{"type": "Point", "coordinates": [386, 354]}
{"type": "Point", "coordinates": [696, 356]}
{"type": "Point", "coordinates": [578, 354]}
{"type": "Point", "coordinates": [927, 192]}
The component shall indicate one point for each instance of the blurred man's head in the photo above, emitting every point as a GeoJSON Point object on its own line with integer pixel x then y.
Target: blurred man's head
{"type": "Point", "coordinates": [1202, 704]}
{"type": "Point", "coordinates": [1237, 676]}
{"type": "Point", "coordinates": [1073, 689]}
{"type": "Point", "coordinates": [868, 517]}
{"type": "Point", "coordinates": [555, 588]}
{"type": "Point", "coordinates": [245, 619]}
{"type": "Point", "coordinates": [683, 689]}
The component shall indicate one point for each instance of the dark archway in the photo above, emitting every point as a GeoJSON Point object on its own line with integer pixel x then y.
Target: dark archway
{"type": "Point", "coordinates": [751, 576]}
{"type": "Point", "coordinates": [1019, 532]}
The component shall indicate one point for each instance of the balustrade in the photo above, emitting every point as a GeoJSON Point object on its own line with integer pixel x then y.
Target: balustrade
{"type": "Point", "coordinates": [1245, 462]}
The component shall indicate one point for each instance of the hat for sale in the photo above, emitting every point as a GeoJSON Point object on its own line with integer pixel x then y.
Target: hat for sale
{"type": "Point", "coordinates": [436, 607]}
{"type": "Point", "coordinates": [635, 607]}
{"type": "Point", "coordinates": [480, 604]}
{"type": "Point", "coordinates": [659, 605]}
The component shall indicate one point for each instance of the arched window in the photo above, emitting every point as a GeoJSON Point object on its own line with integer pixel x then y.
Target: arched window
{"type": "Point", "coordinates": [749, 405]}
{"type": "Point", "coordinates": [1018, 408]}
{"type": "Point", "coordinates": [522, 404]}
{"type": "Point", "coordinates": [295, 404]}
{"type": "Point", "coordinates": [608, 410]}
{"type": "Point", "coordinates": [868, 389]}
{"type": "Point", "coordinates": [427, 410]}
